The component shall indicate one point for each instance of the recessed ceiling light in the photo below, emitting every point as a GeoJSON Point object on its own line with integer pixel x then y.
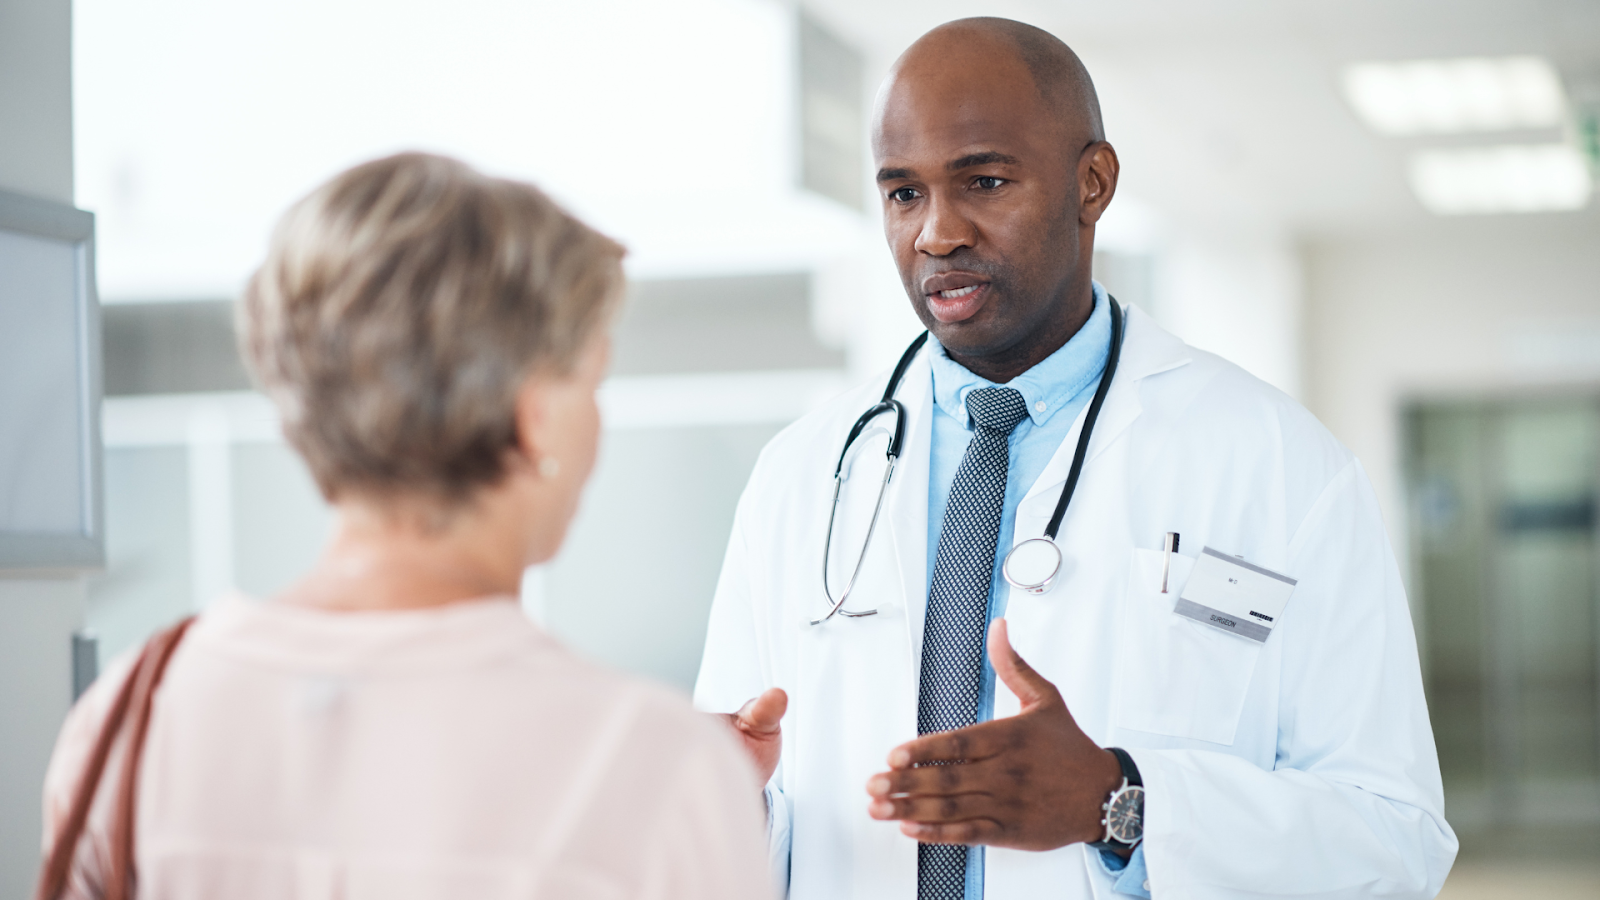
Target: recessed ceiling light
{"type": "Point", "coordinates": [1443, 96]}
{"type": "Point", "coordinates": [1513, 178]}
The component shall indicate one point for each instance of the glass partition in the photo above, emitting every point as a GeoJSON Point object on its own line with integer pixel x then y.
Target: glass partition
{"type": "Point", "coordinates": [1505, 557]}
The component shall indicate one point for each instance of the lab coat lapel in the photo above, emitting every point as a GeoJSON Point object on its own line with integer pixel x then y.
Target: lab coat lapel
{"type": "Point", "coordinates": [1147, 350]}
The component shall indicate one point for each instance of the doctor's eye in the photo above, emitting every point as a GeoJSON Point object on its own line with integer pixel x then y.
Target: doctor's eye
{"type": "Point", "coordinates": [987, 182]}
{"type": "Point", "coordinates": [903, 195]}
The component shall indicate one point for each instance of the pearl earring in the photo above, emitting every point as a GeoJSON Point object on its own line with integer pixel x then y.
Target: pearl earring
{"type": "Point", "coordinates": [549, 467]}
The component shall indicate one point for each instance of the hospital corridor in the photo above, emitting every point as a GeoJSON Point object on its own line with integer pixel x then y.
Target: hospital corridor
{"type": "Point", "coordinates": [1376, 222]}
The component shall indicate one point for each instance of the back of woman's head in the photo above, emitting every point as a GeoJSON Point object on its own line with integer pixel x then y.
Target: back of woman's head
{"type": "Point", "coordinates": [401, 307]}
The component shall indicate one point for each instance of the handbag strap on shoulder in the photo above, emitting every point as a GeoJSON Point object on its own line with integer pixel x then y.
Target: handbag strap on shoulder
{"type": "Point", "coordinates": [130, 713]}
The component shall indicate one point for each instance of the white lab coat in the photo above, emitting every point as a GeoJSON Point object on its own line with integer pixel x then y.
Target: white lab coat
{"type": "Point", "coordinates": [1304, 766]}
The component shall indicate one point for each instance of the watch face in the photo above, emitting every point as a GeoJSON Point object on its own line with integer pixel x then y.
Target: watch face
{"type": "Point", "coordinates": [1125, 815]}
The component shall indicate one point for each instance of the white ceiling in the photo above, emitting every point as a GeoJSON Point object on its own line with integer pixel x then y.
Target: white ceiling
{"type": "Point", "coordinates": [1228, 111]}
{"type": "Point", "coordinates": [670, 128]}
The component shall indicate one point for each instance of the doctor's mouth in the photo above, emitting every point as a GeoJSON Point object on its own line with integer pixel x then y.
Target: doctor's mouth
{"type": "Point", "coordinates": [955, 296]}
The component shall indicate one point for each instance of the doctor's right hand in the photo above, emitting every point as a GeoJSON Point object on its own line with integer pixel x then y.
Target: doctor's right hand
{"type": "Point", "coordinates": [758, 726]}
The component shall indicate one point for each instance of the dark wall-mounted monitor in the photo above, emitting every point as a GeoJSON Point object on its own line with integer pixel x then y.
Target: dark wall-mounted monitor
{"type": "Point", "coordinates": [50, 495]}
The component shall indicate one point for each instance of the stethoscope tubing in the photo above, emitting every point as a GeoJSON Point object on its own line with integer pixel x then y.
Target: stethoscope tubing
{"type": "Point", "coordinates": [890, 405]}
{"type": "Point", "coordinates": [896, 442]}
{"type": "Point", "coordinates": [838, 605]}
{"type": "Point", "coordinates": [1082, 450]}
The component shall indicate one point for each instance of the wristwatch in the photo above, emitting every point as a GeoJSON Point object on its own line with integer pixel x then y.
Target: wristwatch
{"type": "Point", "coordinates": [1124, 809]}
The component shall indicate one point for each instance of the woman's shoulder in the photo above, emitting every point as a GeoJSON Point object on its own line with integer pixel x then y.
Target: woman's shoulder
{"type": "Point", "coordinates": [649, 727]}
{"type": "Point", "coordinates": [455, 732]}
{"type": "Point", "coordinates": [692, 797]}
{"type": "Point", "coordinates": [77, 738]}
{"type": "Point", "coordinates": [479, 682]}
{"type": "Point", "coordinates": [642, 707]}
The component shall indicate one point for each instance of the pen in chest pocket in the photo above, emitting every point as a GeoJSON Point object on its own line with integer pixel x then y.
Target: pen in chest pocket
{"type": "Point", "coordinates": [1169, 546]}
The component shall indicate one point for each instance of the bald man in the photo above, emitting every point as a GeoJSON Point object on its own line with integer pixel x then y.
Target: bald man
{"type": "Point", "coordinates": [1221, 695]}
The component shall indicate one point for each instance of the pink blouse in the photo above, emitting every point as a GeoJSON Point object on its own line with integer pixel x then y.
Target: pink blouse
{"type": "Point", "coordinates": [450, 752]}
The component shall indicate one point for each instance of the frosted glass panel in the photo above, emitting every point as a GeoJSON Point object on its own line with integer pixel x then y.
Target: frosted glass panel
{"type": "Point", "coordinates": [41, 395]}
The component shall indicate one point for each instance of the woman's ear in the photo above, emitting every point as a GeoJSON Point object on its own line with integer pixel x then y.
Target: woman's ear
{"type": "Point", "coordinates": [533, 415]}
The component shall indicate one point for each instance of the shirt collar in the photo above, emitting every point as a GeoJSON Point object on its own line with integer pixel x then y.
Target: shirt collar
{"type": "Point", "coordinates": [1048, 386]}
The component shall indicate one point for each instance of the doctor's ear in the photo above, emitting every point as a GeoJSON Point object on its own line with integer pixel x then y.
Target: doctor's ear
{"type": "Point", "coordinates": [1098, 170]}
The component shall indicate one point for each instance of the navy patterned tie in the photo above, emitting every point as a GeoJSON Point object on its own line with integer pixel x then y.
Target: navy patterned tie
{"type": "Point", "coordinates": [958, 604]}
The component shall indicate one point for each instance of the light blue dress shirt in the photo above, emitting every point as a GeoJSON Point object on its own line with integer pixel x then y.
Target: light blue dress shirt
{"type": "Point", "coordinates": [1055, 390]}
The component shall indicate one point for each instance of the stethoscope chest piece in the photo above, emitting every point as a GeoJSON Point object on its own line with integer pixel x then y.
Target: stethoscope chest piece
{"type": "Point", "coordinates": [1032, 565]}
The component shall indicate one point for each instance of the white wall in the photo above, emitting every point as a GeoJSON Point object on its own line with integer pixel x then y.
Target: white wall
{"type": "Point", "coordinates": [37, 616]}
{"type": "Point", "coordinates": [633, 583]}
{"type": "Point", "coordinates": [1461, 306]}
{"type": "Point", "coordinates": [1239, 296]}
{"type": "Point", "coordinates": [36, 98]}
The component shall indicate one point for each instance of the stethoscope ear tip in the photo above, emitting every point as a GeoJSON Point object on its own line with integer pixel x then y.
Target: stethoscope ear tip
{"type": "Point", "coordinates": [843, 612]}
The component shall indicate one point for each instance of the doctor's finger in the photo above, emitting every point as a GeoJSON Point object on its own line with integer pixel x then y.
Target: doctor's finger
{"type": "Point", "coordinates": [971, 743]}
{"type": "Point", "coordinates": [972, 831]}
{"type": "Point", "coordinates": [957, 808]}
{"type": "Point", "coordinates": [935, 781]}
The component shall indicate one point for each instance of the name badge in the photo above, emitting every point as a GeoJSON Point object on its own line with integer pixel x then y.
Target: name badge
{"type": "Point", "coordinates": [1228, 593]}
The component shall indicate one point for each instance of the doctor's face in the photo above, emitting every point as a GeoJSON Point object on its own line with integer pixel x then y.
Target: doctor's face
{"type": "Point", "coordinates": [989, 200]}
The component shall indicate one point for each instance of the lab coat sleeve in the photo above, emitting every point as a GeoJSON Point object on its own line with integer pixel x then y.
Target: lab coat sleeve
{"type": "Point", "coordinates": [734, 668]}
{"type": "Point", "coordinates": [1354, 804]}
{"type": "Point", "coordinates": [779, 837]}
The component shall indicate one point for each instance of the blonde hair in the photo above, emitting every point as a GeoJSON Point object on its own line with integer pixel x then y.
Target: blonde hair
{"type": "Point", "coordinates": [401, 307]}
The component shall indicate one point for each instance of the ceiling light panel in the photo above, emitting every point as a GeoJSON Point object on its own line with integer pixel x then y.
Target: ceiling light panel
{"type": "Point", "coordinates": [1506, 179]}
{"type": "Point", "coordinates": [1452, 96]}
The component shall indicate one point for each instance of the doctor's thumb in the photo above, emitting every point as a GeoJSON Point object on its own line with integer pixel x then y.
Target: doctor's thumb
{"type": "Point", "coordinates": [764, 713]}
{"type": "Point", "coordinates": [1030, 687]}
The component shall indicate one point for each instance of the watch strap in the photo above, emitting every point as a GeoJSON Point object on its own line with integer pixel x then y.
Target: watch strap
{"type": "Point", "coordinates": [1129, 770]}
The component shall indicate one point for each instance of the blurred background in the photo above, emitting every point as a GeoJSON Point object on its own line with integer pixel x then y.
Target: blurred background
{"type": "Point", "coordinates": [1386, 209]}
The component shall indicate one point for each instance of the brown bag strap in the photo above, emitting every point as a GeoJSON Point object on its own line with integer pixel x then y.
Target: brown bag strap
{"type": "Point", "coordinates": [135, 695]}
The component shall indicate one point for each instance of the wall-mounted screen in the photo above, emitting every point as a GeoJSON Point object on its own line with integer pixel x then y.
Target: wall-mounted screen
{"type": "Point", "coordinates": [50, 515]}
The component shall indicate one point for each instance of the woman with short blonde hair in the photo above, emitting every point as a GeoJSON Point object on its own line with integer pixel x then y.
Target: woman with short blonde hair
{"type": "Point", "coordinates": [400, 311]}
{"type": "Point", "coordinates": [392, 725]}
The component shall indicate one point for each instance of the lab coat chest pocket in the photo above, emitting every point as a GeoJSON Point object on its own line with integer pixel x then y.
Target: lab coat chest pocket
{"type": "Point", "coordinates": [1176, 676]}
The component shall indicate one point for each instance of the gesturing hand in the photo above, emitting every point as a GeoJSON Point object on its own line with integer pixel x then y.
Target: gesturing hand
{"type": "Point", "coordinates": [757, 724]}
{"type": "Point", "coordinates": [1033, 781]}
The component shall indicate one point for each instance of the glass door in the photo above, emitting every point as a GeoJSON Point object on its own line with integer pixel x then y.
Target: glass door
{"type": "Point", "coordinates": [1505, 563]}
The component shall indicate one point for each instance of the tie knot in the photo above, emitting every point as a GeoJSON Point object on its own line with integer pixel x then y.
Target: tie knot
{"type": "Point", "coordinates": [997, 409]}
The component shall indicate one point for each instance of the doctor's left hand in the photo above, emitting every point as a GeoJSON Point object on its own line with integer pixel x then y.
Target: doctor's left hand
{"type": "Point", "coordinates": [1033, 781]}
{"type": "Point", "coordinates": [759, 724]}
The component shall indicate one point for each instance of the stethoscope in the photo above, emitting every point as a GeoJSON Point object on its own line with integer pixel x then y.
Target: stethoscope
{"type": "Point", "coordinates": [1033, 564]}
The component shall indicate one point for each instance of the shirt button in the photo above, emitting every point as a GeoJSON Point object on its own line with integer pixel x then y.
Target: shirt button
{"type": "Point", "coordinates": [1147, 884]}
{"type": "Point", "coordinates": [1039, 407]}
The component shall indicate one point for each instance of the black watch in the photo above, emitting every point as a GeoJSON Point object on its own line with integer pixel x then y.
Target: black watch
{"type": "Point", "coordinates": [1124, 809]}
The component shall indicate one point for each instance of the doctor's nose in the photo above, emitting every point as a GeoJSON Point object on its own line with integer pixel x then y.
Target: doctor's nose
{"type": "Point", "coordinates": [945, 230]}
